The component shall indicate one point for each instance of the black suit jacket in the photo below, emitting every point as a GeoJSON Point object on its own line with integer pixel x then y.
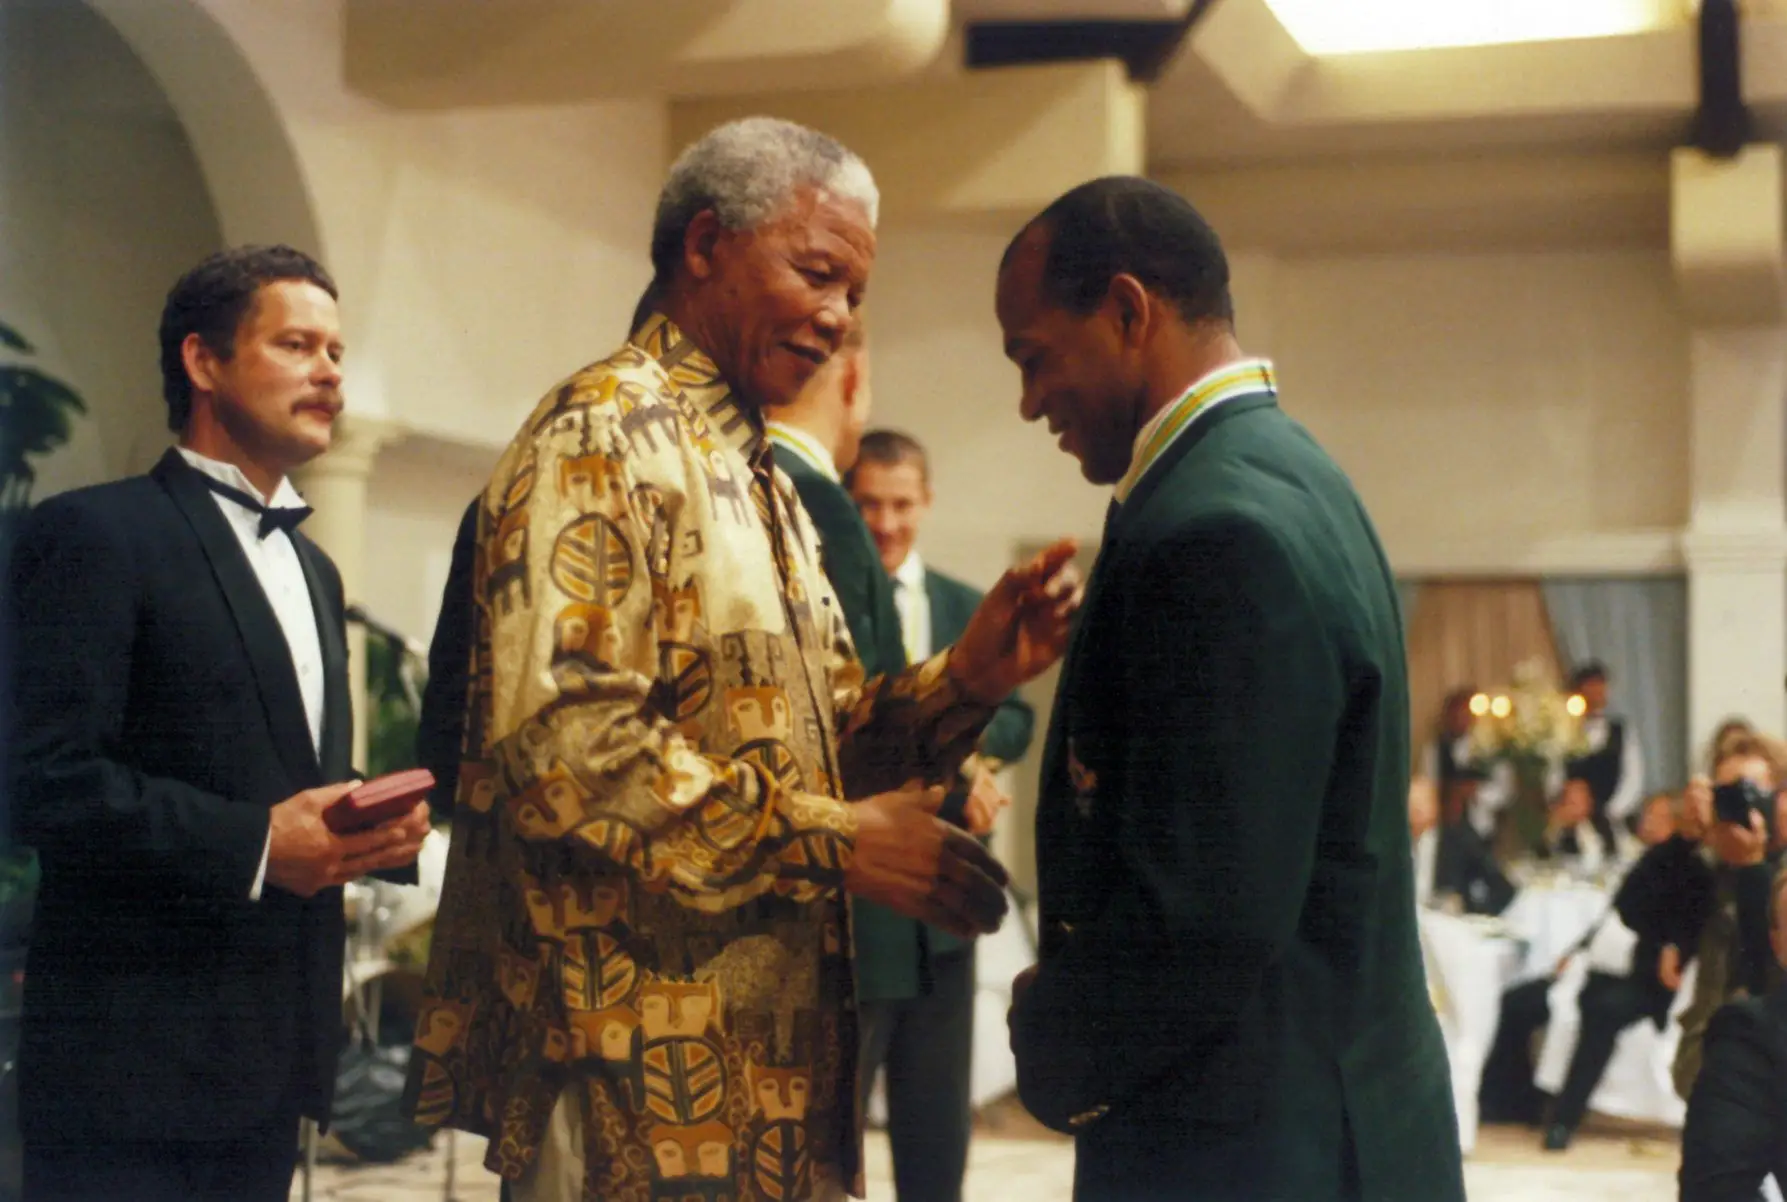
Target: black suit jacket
{"type": "Point", "coordinates": [157, 719]}
{"type": "Point", "coordinates": [1736, 1133]}
{"type": "Point", "coordinates": [1231, 1002]}
{"type": "Point", "coordinates": [440, 730]}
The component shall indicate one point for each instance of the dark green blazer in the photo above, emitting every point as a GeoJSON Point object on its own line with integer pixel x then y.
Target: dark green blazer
{"type": "Point", "coordinates": [1008, 735]}
{"type": "Point", "coordinates": [890, 948]}
{"type": "Point", "coordinates": [1231, 1002]}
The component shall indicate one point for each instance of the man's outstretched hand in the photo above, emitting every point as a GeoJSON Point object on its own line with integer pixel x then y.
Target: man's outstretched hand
{"type": "Point", "coordinates": [1021, 628]}
{"type": "Point", "coordinates": [913, 862]}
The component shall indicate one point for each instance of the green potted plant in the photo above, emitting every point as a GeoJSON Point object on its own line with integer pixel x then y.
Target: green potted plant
{"type": "Point", "coordinates": [37, 415]}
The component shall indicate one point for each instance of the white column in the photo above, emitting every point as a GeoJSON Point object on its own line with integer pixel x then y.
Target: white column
{"type": "Point", "coordinates": [335, 486]}
{"type": "Point", "coordinates": [1728, 245]}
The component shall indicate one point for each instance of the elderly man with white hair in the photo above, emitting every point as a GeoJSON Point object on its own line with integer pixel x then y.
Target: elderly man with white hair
{"type": "Point", "coordinates": [641, 985]}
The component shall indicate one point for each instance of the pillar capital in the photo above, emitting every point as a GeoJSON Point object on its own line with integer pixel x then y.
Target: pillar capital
{"type": "Point", "coordinates": [1761, 551]}
{"type": "Point", "coordinates": [354, 449]}
{"type": "Point", "coordinates": [1726, 235]}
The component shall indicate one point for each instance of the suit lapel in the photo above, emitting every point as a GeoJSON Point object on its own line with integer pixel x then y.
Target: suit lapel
{"type": "Point", "coordinates": [338, 713]}
{"type": "Point", "coordinates": [1199, 430]}
{"type": "Point", "coordinates": [263, 642]}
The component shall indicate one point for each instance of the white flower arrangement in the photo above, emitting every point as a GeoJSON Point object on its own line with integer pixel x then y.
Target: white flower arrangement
{"type": "Point", "coordinates": [1532, 723]}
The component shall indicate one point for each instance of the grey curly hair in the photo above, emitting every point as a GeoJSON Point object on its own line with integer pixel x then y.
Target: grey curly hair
{"type": "Point", "coordinates": [745, 171]}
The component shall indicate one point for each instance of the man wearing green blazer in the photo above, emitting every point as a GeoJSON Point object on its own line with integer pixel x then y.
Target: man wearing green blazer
{"type": "Point", "coordinates": [915, 983]}
{"type": "Point", "coordinates": [891, 485]}
{"type": "Point", "coordinates": [1230, 1003]}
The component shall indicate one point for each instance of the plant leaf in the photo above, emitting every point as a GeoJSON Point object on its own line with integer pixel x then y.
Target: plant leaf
{"type": "Point", "coordinates": [12, 340]}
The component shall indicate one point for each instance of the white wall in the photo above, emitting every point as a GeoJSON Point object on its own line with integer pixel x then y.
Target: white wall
{"type": "Point", "coordinates": [1507, 402]}
{"type": "Point", "coordinates": [503, 251]}
{"type": "Point", "coordinates": [415, 499]}
{"type": "Point", "coordinates": [1535, 395]}
{"type": "Point", "coordinates": [483, 254]}
{"type": "Point", "coordinates": [102, 207]}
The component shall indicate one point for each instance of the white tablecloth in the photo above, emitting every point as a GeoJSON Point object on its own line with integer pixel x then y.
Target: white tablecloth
{"type": "Point", "coordinates": [1467, 970]}
{"type": "Point", "coordinates": [1637, 1084]}
{"type": "Point", "coordinates": [1551, 919]}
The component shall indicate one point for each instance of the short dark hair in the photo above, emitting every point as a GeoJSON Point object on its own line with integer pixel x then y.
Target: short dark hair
{"type": "Point", "coordinates": [1125, 225]}
{"type": "Point", "coordinates": [890, 448]}
{"type": "Point", "coordinates": [212, 300]}
{"type": "Point", "coordinates": [1585, 672]}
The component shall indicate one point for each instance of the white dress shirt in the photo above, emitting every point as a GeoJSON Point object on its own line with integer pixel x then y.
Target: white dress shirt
{"type": "Point", "coordinates": [914, 604]}
{"type": "Point", "coordinates": [275, 563]}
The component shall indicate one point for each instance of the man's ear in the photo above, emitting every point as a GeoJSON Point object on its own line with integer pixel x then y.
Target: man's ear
{"type": "Point", "coordinates": [201, 363]}
{"type": "Point", "coordinates": [699, 242]}
{"type": "Point", "coordinates": [850, 379]}
{"type": "Point", "coordinates": [1132, 307]}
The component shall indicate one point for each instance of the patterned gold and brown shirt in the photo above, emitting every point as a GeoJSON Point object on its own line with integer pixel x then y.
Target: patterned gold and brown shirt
{"type": "Point", "coordinates": [642, 900]}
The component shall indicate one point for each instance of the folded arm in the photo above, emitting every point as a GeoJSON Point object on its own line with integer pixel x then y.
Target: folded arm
{"type": "Point", "coordinates": [1236, 700]}
{"type": "Point", "coordinates": [76, 797]}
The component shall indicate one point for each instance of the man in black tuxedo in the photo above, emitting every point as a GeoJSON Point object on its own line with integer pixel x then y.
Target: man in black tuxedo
{"type": "Point", "coordinates": [181, 723]}
{"type": "Point", "coordinates": [1613, 765]}
{"type": "Point", "coordinates": [1230, 1003]}
{"type": "Point", "coordinates": [1736, 1133]}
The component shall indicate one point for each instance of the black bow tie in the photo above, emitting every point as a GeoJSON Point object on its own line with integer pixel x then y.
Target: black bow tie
{"type": "Point", "coordinates": [284, 518]}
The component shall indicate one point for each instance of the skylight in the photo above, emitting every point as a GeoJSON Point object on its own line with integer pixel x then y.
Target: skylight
{"type": "Point", "coordinates": [1326, 27]}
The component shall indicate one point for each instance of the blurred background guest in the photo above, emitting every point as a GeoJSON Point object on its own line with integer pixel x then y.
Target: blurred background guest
{"type": "Point", "coordinates": [1736, 1133]}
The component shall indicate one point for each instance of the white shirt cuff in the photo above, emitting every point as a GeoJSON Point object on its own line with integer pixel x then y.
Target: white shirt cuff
{"type": "Point", "coordinates": [260, 875]}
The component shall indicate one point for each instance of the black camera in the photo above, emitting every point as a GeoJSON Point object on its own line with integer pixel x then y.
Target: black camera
{"type": "Point", "coordinates": [1735, 802]}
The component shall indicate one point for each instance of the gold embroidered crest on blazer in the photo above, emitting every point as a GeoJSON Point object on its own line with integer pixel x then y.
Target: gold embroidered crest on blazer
{"type": "Point", "coordinates": [642, 896]}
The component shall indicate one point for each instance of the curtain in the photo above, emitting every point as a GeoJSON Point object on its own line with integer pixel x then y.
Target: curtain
{"type": "Point", "coordinates": [1638, 628]}
{"type": "Point", "coordinates": [1472, 632]}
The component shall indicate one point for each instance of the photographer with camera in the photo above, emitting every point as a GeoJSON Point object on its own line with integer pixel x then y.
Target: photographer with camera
{"type": "Point", "coordinates": [1738, 819]}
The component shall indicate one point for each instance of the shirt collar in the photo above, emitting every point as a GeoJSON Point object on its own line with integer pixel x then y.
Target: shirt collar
{"type": "Point", "coordinates": [1244, 377]}
{"type": "Point", "coordinates": [802, 444]}
{"type": "Point", "coordinates": [911, 572]}
{"type": "Point", "coordinates": [285, 496]}
{"type": "Point", "coordinates": [698, 378]}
